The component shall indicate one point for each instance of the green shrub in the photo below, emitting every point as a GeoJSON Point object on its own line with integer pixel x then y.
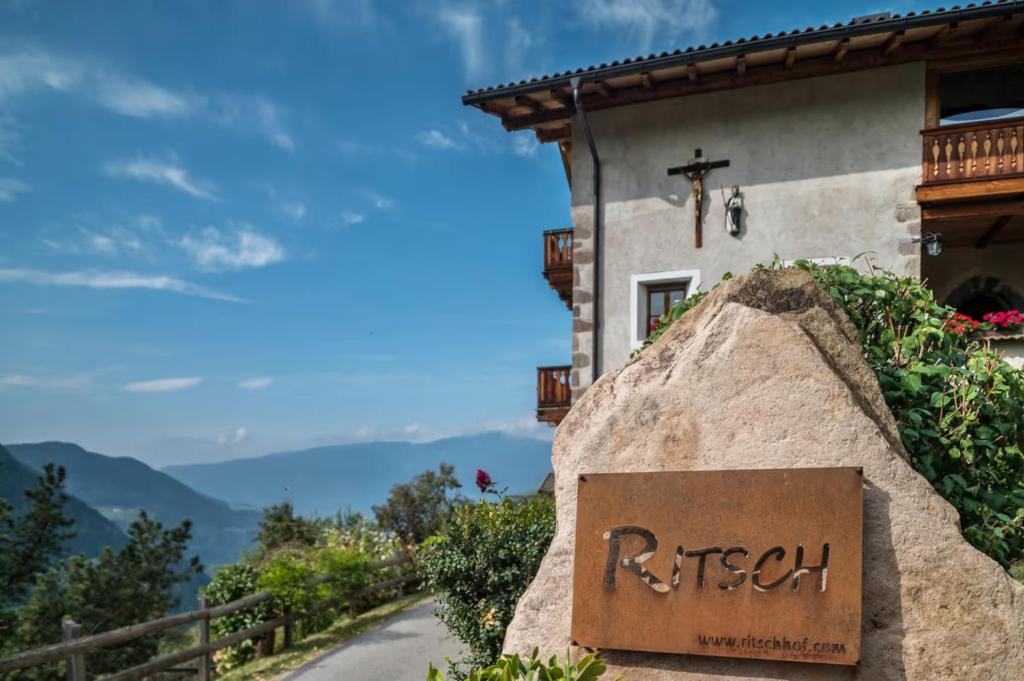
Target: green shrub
{"type": "Point", "coordinates": [346, 567]}
{"type": "Point", "coordinates": [290, 574]}
{"type": "Point", "coordinates": [513, 668]}
{"type": "Point", "coordinates": [230, 583]}
{"type": "Point", "coordinates": [959, 407]}
{"type": "Point", "coordinates": [484, 564]}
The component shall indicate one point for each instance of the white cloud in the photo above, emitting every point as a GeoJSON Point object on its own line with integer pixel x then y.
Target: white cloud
{"type": "Point", "coordinates": [255, 113]}
{"type": "Point", "coordinates": [10, 138]}
{"type": "Point", "coordinates": [351, 147]}
{"type": "Point", "coordinates": [412, 432]}
{"type": "Point", "coordinates": [525, 144]}
{"type": "Point", "coordinates": [163, 385]}
{"type": "Point", "coordinates": [436, 139]}
{"type": "Point", "coordinates": [255, 383]}
{"type": "Point", "coordinates": [337, 14]}
{"type": "Point", "coordinates": [170, 174]}
{"type": "Point", "coordinates": [212, 249]}
{"type": "Point", "coordinates": [518, 44]}
{"type": "Point", "coordinates": [379, 201]}
{"type": "Point", "coordinates": [26, 69]}
{"type": "Point", "coordinates": [465, 26]}
{"type": "Point", "coordinates": [644, 20]}
{"type": "Point", "coordinates": [112, 280]}
{"type": "Point", "coordinates": [233, 436]}
{"type": "Point", "coordinates": [349, 218]}
{"type": "Point", "coordinates": [10, 188]}
{"type": "Point", "coordinates": [112, 241]}
{"type": "Point", "coordinates": [45, 382]}
{"type": "Point", "coordinates": [30, 68]}
{"type": "Point", "coordinates": [295, 210]}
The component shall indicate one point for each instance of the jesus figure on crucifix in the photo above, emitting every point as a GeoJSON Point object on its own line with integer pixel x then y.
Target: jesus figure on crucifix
{"type": "Point", "coordinates": [695, 171]}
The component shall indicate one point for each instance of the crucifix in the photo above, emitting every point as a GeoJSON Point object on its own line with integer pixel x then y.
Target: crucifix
{"type": "Point", "coordinates": [695, 171]}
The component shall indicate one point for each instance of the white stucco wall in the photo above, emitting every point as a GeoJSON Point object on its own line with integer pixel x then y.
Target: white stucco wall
{"type": "Point", "coordinates": [827, 167]}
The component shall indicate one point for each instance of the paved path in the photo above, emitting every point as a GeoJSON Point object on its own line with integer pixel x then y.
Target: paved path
{"type": "Point", "coordinates": [397, 651]}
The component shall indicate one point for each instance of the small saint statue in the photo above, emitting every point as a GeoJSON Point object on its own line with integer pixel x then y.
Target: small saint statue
{"type": "Point", "coordinates": [734, 212]}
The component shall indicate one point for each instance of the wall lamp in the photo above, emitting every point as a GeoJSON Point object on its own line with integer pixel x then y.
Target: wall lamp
{"type": "Point", "coordinates": [931, 241]}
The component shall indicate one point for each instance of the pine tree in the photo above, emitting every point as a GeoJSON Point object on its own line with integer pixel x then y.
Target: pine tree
{"type": "Point", "coordinates": [29, 543]}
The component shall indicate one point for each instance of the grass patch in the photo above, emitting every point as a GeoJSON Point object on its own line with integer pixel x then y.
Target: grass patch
{"type": "Point", "coordinates": [1017, 571]}
{"type": "Point", "coordinates": [313, 645]}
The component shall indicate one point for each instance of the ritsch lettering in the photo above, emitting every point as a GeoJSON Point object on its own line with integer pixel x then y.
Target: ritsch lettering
{"type": "Point", "coordinates": [769, 570]}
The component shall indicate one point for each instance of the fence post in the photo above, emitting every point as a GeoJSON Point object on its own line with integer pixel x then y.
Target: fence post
{"type": "Point", "coordinates": [401, 585]}
{"type": "Point", "coordinates": [204, 638]}
{"type": "Point", "coordinates": [289, 632]}
{"type": "Point", "coordinates": [75, 663]}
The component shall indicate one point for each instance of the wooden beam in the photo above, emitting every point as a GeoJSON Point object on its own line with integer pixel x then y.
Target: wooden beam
{"type": "Point", "coordinates": [562, 98]}
{"type": "Point", "coordinates": [646, 82]}
{"type": "Point", "coordinates": [957, 211]}
{"type": "Point", "coordinates": [841, 49]}
{"type": "Point", "coordinates": [527, 103]}
{"type": "Point", "coordinates": [942, 35]}
{"type": "Point", "coordinates": [545, 135]}
{"type": "Point", "coordinates": [989, 29]}
{"type": "Point", "coordinates": [971, 189]}
{"type": "Point", "coordinates": [691, 73]}
{"type": "Point", "coordinates": [993, 231]}
{"type": "Point", "coordinates": [894, 43]}
{"type": "Point", "coordinates": [741, 64]}
{"type": "Point", "coordinates": [565, 151]}
{"type": "Point", "coordinates": [790, 57]}
{"type": "Point", "coordinates": [603, 89]}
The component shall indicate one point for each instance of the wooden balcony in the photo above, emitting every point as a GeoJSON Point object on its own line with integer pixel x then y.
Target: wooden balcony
{"type": "Point", "coordinates": [554, 394]}
{"type": "Point", "coordinates": [558, 262]}
{"type": "Point", "coordinates": [973, 161]}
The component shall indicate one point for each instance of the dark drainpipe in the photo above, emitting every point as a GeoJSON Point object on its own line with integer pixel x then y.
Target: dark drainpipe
{"type": "Point", "coordinates": [595, 353]}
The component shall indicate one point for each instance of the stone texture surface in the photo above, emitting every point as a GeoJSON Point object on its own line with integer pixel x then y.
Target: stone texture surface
{"type": "Point", "coordinates": [767, 373]}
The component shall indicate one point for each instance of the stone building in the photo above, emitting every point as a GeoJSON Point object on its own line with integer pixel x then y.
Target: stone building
{"type": "Point", "coordinates": [901, 136]}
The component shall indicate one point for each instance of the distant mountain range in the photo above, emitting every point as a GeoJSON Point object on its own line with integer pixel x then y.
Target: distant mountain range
{"type": "Point", "coordinates": [93, 531]}
{"type": "Point", "coordinates": [118, 487]}
{"type": "Point", "coordinates": [108, 492]}
{"type": "Point", "coordinates": [357, 476]}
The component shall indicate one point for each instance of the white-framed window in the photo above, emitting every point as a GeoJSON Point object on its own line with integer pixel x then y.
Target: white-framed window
{"type": "Point", "coordinates": [652, 294]}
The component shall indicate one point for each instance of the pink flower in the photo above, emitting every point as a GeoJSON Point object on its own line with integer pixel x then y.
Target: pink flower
{"type": "Point", "coordinates": [483, 480]}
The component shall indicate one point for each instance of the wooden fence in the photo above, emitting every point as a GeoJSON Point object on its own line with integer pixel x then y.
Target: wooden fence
{"type": "Point", "coordinates": [75, 647]}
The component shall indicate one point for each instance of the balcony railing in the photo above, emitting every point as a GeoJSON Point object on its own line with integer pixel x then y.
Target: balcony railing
{"type": "Point", "coordinates": [989, 150]}
{"type": "Point", "coordinates": [558, 262]}
{"type": "Point", "coordinates": [554, 394]}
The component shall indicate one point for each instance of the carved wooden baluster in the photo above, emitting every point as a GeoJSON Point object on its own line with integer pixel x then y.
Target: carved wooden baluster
{"type": "Point", "coordinates": [961, 147]}
{"type": "Point", "coordinates": [936, 150]}
{"type": "Point", "coordinates": [974, 154]}
{"type": "Point", "coordinates": [1014, 143]}
{"type": "Point", "coordinates": [987, 146]}
{"type": "Point", "coordinates": [949, 156]}
{"type": "Point", "coordinates": [1000, 150]}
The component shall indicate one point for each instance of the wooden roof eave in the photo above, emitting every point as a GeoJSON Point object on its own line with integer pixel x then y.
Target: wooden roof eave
{"type": "Point", "coordinates": [552, 109]}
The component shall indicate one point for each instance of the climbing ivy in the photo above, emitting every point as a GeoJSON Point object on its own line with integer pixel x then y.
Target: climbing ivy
{"type": "Point", "coordinates": [958, 405]}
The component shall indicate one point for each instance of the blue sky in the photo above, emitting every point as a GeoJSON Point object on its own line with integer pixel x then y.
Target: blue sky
{"type": "Point", "coordinates": [229, 228]}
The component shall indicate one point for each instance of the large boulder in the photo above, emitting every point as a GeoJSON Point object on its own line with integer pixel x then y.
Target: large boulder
{"type": "Point", "coordinates": [767, 373]}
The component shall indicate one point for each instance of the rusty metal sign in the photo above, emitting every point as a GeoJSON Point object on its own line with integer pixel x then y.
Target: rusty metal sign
{"type": "Point", "coordinates": [758, 564]}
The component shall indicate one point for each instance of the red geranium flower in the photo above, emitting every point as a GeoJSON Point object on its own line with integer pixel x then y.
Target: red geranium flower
{"type": "Point", "coordinates": [961, 324]}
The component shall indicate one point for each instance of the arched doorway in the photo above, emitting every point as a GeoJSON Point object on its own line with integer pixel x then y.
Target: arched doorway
{"type": "Point", "coordinates": [980, 295]}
